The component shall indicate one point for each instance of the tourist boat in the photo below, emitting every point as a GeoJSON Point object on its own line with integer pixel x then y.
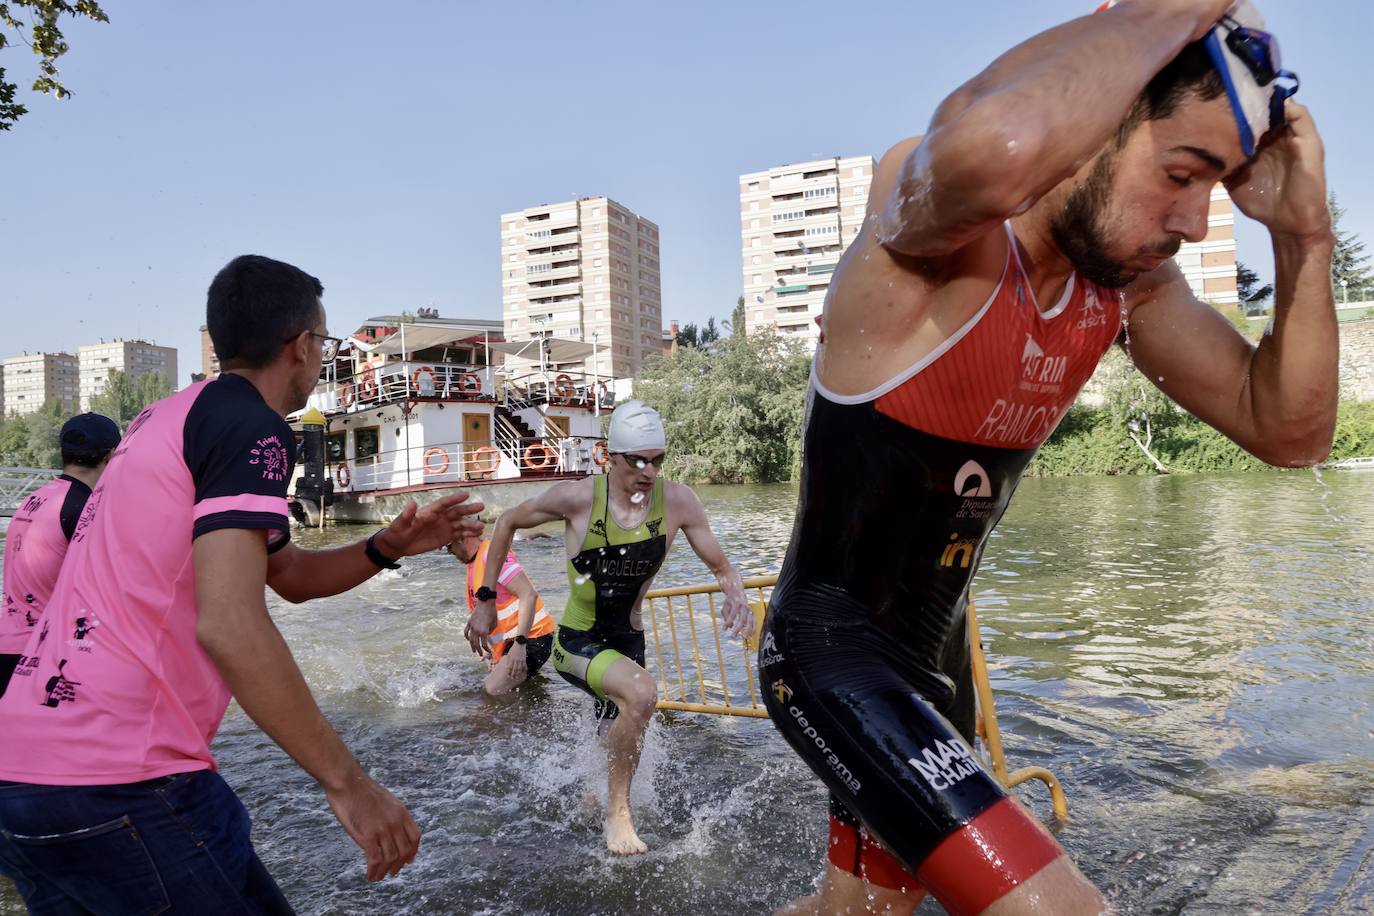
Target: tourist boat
{"type": "Point", "coordinates": [416, 408]}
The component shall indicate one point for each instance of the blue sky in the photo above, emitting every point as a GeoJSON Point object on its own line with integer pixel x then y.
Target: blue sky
{"type": "Point", "coordinates": [375, 145]}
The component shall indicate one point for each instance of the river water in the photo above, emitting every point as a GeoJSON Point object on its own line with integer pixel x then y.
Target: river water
{"type": "Point", "coordinates": [1192, 656]}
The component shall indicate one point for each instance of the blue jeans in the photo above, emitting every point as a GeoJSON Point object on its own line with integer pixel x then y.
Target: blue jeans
{"type": "Point", "coordinates": [178, 844]}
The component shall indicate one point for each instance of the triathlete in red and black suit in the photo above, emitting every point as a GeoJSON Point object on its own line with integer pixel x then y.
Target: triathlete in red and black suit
{"type": "Point", "coordinates": [1001, 256]}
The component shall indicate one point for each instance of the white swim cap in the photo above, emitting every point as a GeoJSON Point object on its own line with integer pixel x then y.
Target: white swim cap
{"type": "Point", "coordinates": [1247, 57]}
{"type": "Point", "coordinates": [635, 427]}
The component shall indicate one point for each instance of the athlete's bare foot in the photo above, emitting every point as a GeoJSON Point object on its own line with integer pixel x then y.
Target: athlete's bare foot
{"type": "Point", "coordinates": [621, 838]}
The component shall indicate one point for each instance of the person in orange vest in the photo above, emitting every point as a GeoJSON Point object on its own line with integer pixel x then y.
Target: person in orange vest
{"type": "Point", "coordinates": [523, 638]}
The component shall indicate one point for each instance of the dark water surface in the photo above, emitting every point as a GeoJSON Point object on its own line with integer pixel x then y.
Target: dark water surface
{"type": "Point", "coordinates": [1192, 656]}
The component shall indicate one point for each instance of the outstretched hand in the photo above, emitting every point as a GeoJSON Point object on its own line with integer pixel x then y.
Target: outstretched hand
{"type": "Point", "coordinates": [480, 624]}
{"type": "Point", "coordinates": [378, 823]}
{"type": "Point", "coordinates": [739, 616]}
{"type": "Point", "coordinates": [442, 522]}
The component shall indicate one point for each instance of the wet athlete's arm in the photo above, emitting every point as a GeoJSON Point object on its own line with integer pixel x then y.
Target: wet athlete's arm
{"type": "Point", "coordinates": [687, 507]}
{"type": "Point", "coordinates": [234, 628]}
{"type": "Point", "coordinates": [522, 588]}
{"type": "Point", "coordinates": [299, 575]}
{"type": "Point", "coordinates": [1276, 400]}
{"type": "Point", "coordinates": [1030, 120]}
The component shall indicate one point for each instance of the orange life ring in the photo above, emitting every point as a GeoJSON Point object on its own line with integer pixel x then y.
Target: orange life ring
{"type": "Point", "coordinates": [342, 475]}
{"type": "Point", "coordinates": [485, 452]}
{"type": "Point", "coordinates": [541, 451]}
{"type": "Point", "coordinates": [563, 385]}
{"type": "Point", "coordinates": [346, 397]}
{"type": "Point", "coordinates": [601, 453]}
{"type": "Point", "coordinates": [470, 383]}
{"type": "Point", "coordinates": [439, 468]}
{"type": "Point", "coordinates": [367, 384]}
{"type": "Point", "coordinates": [415, 380]}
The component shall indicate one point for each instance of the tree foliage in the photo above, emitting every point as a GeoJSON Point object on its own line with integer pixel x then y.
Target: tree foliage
{"type": "Point", "coordinates": [689, 335]}
{"type": "Point", "coordinates": [125, 396]}
{"type": "Point", "coordinates": [35, 23]}
{"type": "Point", "coordinates": [1248, 288]}
{"type": "Point", "coordinates": [1349, 263]}
{"type": "Point", "coordinates": [733, 413]}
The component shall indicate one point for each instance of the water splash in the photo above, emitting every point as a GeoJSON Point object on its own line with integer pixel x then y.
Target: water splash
{"type": "Point", "coordinates": [1326, 497]}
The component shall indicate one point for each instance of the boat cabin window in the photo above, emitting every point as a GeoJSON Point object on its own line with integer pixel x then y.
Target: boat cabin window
{"type": "Point", "coordinates": [334, 448]}
{"type": "Point", "coordinates": [366, 444]}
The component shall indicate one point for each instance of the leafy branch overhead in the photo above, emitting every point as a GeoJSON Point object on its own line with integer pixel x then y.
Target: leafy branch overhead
{"type": "Point", "coordinates": [34, 23]}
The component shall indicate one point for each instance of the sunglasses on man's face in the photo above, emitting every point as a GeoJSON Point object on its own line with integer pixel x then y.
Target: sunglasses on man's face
{"type": "Point", "coordinates": [639, 461]}
{"type": "Point", "coordinates": [329, 349]}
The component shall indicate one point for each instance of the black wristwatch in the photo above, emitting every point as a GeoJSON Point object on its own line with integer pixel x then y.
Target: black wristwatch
{"type": "Point", "coordinates": [486, 594]}
{"type": "Point", "coordinates": [520, 640]}
{"type": "Point", "coordinates": [376, 556]}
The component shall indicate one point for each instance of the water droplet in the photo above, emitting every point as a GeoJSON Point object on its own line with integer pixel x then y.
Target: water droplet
{"type": "Point", "coordinates": [580, 580]}
{"type": "Point", "coordinates": [622, 551]}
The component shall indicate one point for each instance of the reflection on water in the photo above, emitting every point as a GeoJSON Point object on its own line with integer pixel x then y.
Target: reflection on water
{"type": "Point", "coordinates": [1191, 655]}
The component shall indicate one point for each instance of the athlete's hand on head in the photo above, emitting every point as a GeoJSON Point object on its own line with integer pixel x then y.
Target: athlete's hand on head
{"type": "Point", "coordinates": [438, 524]}
{"type": "Point", "coordinates": [378, 823]}
{"type": "Point", "coordinates": [1206, 13]}
{"type": "Point", "coordinates": [1284, 185]}
{"type": "Point", "coordinates": [480, 625]}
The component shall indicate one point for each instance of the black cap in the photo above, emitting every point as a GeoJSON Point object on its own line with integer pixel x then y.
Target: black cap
{"type": "Point", "coordinates": [91, 433]}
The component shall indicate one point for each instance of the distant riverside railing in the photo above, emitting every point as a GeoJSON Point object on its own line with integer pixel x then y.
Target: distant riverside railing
{"type": "Point", "coordinates": [17, 483]}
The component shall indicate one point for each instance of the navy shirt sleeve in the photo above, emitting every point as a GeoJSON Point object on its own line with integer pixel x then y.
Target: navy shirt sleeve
{"type": "Point", "coordinates": [241, 454]}
{"type": "Point", "coordinates": [77, 494]}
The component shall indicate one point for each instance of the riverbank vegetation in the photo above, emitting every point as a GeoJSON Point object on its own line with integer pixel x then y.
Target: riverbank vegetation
{"type": "Point", "coordinates": [30, 441]}
{"type": "Point", "coordinates": [733, 412]}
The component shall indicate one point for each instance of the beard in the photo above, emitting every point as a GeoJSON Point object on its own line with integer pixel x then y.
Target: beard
{"type": "Point", "coordinates": [1080, 229]}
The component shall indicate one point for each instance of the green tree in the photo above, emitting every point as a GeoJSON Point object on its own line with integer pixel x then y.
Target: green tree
{"type": "Point", "coordinates": [1350, 271]}
{"type": "Point", "coordinates": [732, 413]}
{"type": "Point", "coordinates": [1248, 288]}
{"type": "Point", "coordinates": [737, 318]}
{"type": "Point", "coordinates": [44, 425]}
{"type": "Point", "coordinates": [41, 33]}
{"type": "Point", "coordinates": [125, 396]}
{"type": "Point", "coordinates": [690, 335]}
{"type": "Point", "coordinates": [14, 442]}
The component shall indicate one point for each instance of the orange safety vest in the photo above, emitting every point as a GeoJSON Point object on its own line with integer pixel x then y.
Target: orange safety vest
{"type": "Point", "coordinates": [507, 611]}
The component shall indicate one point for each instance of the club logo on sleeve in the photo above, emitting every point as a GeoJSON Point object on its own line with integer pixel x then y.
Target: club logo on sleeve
{"type": "Point", "coordinates": [270, 456]}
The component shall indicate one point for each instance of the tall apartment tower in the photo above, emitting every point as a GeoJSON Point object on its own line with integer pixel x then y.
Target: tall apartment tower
{"type": "Point", "coordinates": [133, 357]}
{"type": "Point", "coordinates": [209, 359]}
{"type": "Point", "coordinates": [33, 380]}
{"type": "Point", "coordinates": [586, 270]}
{"type": "Point", "coordinates": [1209, 266]}
{"type": "Point", "coordinates": [796, 220]}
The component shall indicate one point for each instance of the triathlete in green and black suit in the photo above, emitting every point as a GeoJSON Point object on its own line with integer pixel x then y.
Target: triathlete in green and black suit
{"type": "Point", "coordinates": [617, 529]}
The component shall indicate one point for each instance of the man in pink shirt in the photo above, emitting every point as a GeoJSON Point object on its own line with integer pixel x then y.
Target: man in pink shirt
{"type": "Point", "coordinates": [41, 528]}
{"type": "Point", "coordinates": [109, 797]}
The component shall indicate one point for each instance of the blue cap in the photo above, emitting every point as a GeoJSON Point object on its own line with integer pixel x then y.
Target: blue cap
{"type": "Point", "coordinates": [89, 432]}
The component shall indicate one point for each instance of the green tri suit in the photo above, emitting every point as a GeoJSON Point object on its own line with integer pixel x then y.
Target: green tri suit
{"type": "Point", "coordinates": [605, 580]}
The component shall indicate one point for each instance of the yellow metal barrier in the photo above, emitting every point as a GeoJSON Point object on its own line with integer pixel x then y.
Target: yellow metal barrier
{"type": "Point", "coordinates": [673, 626]}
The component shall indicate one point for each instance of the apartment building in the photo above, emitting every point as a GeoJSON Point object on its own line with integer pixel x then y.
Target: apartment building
{"type": "Point", "coordinates": [34, 379]}
{"type": "Point", "coordinates": [133, 357]}
{"type": "Point", "coordinates": [795, 222]}
{"type": "Point", "coordinates": [586, 270]}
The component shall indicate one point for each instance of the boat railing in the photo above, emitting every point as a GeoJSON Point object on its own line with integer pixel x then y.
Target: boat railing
{"type": "Point", "coordinates": [720, 679]}
{"type": "Point", "coordinates": [570, 388]}
{"type": "Point", "coordinates": [401, 382]}
{"type": "Point", "coordinates": [467, 462]}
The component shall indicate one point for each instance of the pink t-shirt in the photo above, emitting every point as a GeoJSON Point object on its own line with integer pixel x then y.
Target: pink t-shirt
{"type": "Point", "coordinates": [113, 687]}
{"type": "Point", "coordinates": [35, 544]}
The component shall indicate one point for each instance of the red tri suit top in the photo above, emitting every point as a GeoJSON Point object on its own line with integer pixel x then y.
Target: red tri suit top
{"type": "Point", "coordinates": [113, 687]}
{"type": "Point", "coordinates": [35, 545]}
{"type": "Point", "coordinates": [902, 485]}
